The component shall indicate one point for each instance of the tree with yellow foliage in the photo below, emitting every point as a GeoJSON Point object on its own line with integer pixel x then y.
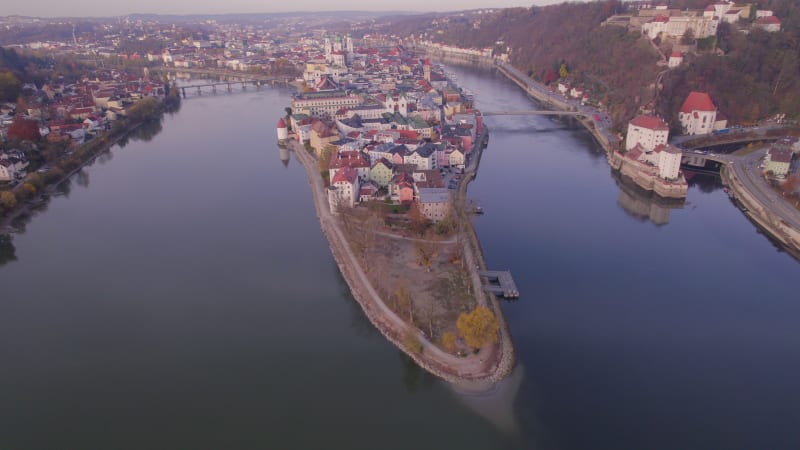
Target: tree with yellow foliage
{"type": "Point", "coordinates": [478, 327]}
{"type": "Point", "coordinates": [449, 342]}
{"type": "Point", "coordinates": [7, 200]}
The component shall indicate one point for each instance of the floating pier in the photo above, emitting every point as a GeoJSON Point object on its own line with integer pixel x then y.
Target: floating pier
{"type": "Point", "coordinates": [500, 283]}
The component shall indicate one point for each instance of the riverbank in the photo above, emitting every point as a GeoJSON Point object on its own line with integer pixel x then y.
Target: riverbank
{"type": "Point", "coordinates": [643, 175]}
{"type": "Point", "coordinates": [784, 235]}
{"type": "Point", "coordinates": [93, 147]}
{"type": "Point", "coordinates": [473, 371]}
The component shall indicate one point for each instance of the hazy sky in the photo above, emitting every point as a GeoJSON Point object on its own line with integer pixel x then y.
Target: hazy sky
{"type": "Point", "coordinates": [94, 8]}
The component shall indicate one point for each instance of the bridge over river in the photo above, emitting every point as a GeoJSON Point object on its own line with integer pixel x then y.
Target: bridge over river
{"type": "Point", "coordinates": [536, 112]}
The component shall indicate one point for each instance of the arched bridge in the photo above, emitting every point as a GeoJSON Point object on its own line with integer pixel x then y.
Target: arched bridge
{"type": "Point", "coordinates": [537, 112]}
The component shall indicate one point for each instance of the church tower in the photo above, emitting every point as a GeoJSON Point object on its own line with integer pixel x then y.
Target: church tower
{"type": "Point", "coordinates": [426, 70]}
{"type": "Point", "coordinates": [402, 106]}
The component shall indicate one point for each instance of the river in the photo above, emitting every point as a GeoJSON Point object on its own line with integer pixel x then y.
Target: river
{"type": "Point", "coordinates": [179, 294]}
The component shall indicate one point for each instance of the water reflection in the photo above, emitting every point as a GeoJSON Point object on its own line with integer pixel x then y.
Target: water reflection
{"type": "Point", "coordinates": [7, 250]}
{"type": "Point", "coordinates": [703, 181]}
{"type": "Point", "coordinates": [283, 153]}
{"type": "Point", "coordinates": [496, 405]}
{"type": "Point", "coordinates": [82, 178]}
{"type": "Point", "coordinates": [642, 204]}
{"type": "Point", "coordinates": [415, 378]}
{"type": "Point", "coordinates": [144, 132]}
{"type": "Point", "coordinates": [358, 320]}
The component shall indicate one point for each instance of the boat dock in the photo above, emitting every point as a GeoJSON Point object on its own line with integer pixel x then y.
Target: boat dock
{"type": "Point", "coordinates": [500, 282]}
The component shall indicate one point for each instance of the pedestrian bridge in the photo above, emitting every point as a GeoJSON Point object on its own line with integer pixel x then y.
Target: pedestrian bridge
{"type": "Point", "coordinates": [536, 112]}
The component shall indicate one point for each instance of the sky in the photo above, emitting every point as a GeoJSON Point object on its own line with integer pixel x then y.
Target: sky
{"type": "Point", "coordinates": [98, 8]}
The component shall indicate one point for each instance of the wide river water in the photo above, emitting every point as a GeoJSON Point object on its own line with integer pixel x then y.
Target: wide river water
{"type": "Point", "coordinates": [179, 294]}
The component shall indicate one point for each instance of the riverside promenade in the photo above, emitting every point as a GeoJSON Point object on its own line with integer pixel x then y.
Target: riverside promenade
{"type": "Point", "coordinates": [476, 372]}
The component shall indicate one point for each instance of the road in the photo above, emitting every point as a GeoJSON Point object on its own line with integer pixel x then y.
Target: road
{"type": "Point", "coordinates": [747, 170]}
{"type": "Point", "coordinates": [543, 93]}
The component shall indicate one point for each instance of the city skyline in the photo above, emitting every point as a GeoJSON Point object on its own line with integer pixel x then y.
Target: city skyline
{"type": "Point", "coordinates": [99, 8]}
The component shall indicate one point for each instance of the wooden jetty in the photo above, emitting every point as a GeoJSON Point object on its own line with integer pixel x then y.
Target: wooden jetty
{"type": "Point", "coordinates": [500, 283]}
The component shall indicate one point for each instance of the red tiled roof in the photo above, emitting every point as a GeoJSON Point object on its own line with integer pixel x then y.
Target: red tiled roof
{"type": "Point", "coordinates": [769, 20]}
{"type": "Point", "coordinates": [650, 122]}
{"type": "Point", "coordinates": [281, 123]}
{"type": "Point", "coordinates": [345, 175]}
{"type": "Point", "coordinates": [676, 55]}
{"type": "Point", "coordinates": [698, 101]}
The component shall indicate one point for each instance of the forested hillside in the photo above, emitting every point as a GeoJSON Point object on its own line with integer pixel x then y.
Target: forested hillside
{"type": "Point", "coordinates": [751, 76]}
{"type": "Point", "coordinates": [758, 75]}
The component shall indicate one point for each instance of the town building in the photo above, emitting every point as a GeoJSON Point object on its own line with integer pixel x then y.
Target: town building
{"type": "Point", "coordinates": [698, 115]}
{"type": "Point", "coordinates": [778, 161]}
{"type": "Point", "coordinates": [434, 203]}
{"type": "Point", "coordinates": [646, 131]}
{"type": "Point", "coordinates": [344, 189]}
{"type": "Point", "coordinates": [675, 60]}
{"type": "Point", "coordinates": [768, 23]}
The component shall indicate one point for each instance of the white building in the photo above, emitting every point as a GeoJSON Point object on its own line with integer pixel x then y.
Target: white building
{"type": "Point", "coordinates": [677, 26]}
{"type": "Point", "coordinates": [669, 161]}
{"type": "Point", "coordinates": [698, 114]}
{"type": "Point", "coordinates": [456, 159]}
{"type": "Point", "coordinates": [7, 171]}
{"type": "Point", "coordinates": [344, 189]}
{"type": "Point", "coordinates": [646, 131]}
{"type": "Point", "coordinates": [675, 60]}
{"type": "Point", "coordinates": [769, 23]}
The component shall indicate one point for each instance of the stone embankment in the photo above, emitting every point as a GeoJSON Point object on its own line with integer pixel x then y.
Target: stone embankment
{"type": "Point", "coordinates": [646, 177]}
{"type": "Point", "coordinates": [787, 236]}
{"type": "Point", "coordinates": [471, 370]}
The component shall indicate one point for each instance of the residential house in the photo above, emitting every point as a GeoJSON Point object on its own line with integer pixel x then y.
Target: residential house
{"type": "Point", "coordinates": [457, 159]}
{"type": "Point", "coordinates": [778, 161]}
{"type": "Point", "coordinates": [401, 187]}
{"type": "Point", "coordinates": [423, 157]}
{"type": "Point", "coordinates": [343, 190]}
{"type": "Point", "coordinates": [382, 172]}
{"type": "Point", "coordinates": [368, 191]}
{"type": "Point", "coordinates": [321, 134]}
{"type": "Point", "coordinates": [355, 160]}
{"type": "Point", "coordinates": [434, 203]}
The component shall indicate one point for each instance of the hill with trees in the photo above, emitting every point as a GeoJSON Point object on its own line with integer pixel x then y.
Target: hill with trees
{"type": "Point", "coordinates": [755, 76]}
{"type": "Point", "coordinates": [751, 75]}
